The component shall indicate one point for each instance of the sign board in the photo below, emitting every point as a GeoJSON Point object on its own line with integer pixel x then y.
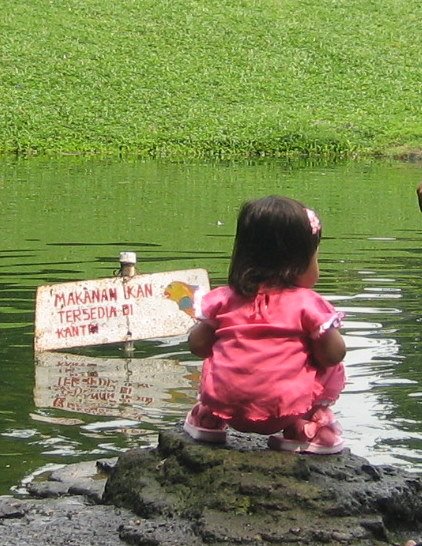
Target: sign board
{"type": "Point", "coordinates": [126, 388]}
{"type": "Point", "coordinates": [117, 309]}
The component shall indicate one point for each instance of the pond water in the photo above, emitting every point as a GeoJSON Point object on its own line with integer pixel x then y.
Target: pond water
{"type": "Point", "coordinates": [67, 220]}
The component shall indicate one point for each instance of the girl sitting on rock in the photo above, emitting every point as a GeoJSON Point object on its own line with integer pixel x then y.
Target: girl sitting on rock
{"type": "Point", "coordinates": [271, 344]}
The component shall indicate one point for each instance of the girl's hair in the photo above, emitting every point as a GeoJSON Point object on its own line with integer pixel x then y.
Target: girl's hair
{"type": "Point", "coordinates": [276, 238]}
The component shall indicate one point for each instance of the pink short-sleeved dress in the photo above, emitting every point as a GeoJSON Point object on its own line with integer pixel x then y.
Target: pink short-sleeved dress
{"type": "Point", "coordinates": [261, 366]}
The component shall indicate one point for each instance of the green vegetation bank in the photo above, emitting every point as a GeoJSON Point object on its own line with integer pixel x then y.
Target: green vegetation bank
{"type": "Point", "coordinates": [208, 78]}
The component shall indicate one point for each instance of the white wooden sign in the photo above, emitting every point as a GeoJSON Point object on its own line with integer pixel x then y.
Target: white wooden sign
{"type": "Point", "coordinates": [127, 388]}
{"type": "Point", "coordinates": [117, 309]}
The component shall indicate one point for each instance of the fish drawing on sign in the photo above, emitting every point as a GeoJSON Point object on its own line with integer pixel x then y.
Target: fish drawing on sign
{"type": "Point", "coordinates": [183, 294]}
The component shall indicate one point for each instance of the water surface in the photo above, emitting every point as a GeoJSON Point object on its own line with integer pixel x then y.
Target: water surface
{"type": "Point", "coordinates": [66, 220]}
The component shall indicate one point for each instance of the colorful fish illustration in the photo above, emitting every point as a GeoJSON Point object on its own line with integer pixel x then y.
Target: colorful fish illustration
{"type": "Point", "coordinates": [182, 293]}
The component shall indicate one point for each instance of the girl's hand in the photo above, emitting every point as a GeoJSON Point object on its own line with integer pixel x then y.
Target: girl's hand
{"type": "Point", "coordinates": [329, 349]}
{"type": "Point", "coordinates": [201, 338]}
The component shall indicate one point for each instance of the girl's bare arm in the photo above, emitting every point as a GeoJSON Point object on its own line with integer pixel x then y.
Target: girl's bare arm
{"type": "Point", "coordinates": [329, 349]}
{"type": "Point", "coordinates": [201, 338]}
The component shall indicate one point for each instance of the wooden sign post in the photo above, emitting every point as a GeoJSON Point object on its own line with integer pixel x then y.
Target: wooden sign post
{"type": "Point", "coordinates": [127, 269]}
{"type": "Point", "coordinates": [118, 309]}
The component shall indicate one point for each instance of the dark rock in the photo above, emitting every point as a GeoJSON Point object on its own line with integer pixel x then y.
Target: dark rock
{"type": "Point", "coordinates": [11, 508]}
{"type": "Point", "coordinates": [106, 465]}
{"type": "Point", "coordinates": [47, 490]}
{"type": "Point", "coordinates": [87, 479]}
{"type": "Point", "coordinates": [372, 471]}
{"type": "Point", "coordinates": [90, 489]}
{"type": "Point", "coordinates": [377, 528]}
{"type": "Point", "coordinates": [55, 513]}
{"type": "Point", "coordinates": [159, 533]}
{"type": "Point", "coordinates": [243, 493]}
{"type": "Point", "coordinates": [64, 521]}
{"type": "Point", "coordinates": [193, 494]}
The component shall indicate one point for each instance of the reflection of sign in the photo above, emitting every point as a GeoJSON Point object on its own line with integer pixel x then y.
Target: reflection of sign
{"type": "Point", "coordinates": [119, 309]}
{"type": "Point", "coordinates": [106, 386]}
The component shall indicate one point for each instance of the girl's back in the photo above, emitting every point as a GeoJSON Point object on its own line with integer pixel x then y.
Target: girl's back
{"type": "Point", "coordinates": [261, 362]}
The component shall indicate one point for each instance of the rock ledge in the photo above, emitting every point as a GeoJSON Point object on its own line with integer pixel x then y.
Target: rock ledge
{"type": "Point", "coordinates": [183, 492]}
{"type": "Point", "coordinates": [243, 493]}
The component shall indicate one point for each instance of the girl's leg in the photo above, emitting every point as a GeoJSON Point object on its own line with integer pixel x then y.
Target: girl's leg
{"type": "Point", "coordinates": [307, 436]}
{"type": "Point", "coordinates": [201, 424]}
{"type": "Point", "coordinates": [317, 431]}
{"type": "Point", "coordinates": [203, 417]}
{"type": "Point", "coordinates": [332, 380]}
{"type": "Point", "coordinates": [268, 426]}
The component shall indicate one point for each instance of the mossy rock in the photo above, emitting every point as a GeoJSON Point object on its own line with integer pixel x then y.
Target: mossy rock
{"type": "Point", "coordinates": [244, 493]}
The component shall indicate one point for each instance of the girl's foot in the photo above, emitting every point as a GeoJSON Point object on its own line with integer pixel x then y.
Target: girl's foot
{"type": "Point", "coordinates": [304, 436]}
{"type": "Point", "coordinates": [323, 415]}
{"type": "Point", "coordinates": [202, 425]}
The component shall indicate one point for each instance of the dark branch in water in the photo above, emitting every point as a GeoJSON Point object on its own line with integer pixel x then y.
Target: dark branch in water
{"type": "Point", "coordinates": [419, 193]}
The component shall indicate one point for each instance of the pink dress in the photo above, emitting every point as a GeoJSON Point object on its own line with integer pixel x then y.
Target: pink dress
{"type": "Point", "coordinates": [261, 366]}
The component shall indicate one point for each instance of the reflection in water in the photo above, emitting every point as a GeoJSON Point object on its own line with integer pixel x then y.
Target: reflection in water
{"type": "Point", "coordinates": [374, 357]}
{"type": "Point", "coordinates": [132, 388]}
{"type": "Point", "coordinates": [136, 393]}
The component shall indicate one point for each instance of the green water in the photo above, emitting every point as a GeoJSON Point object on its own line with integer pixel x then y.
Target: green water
{"type": "Point", "coordinates": [69, 219]}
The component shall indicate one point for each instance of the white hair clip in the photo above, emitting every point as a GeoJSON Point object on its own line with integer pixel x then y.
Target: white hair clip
{"type": "Point", "coordinates": [314, 221]}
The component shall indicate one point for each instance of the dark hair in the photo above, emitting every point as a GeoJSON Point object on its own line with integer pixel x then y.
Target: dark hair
{"type": "Point", "coordinates": [274, 244]}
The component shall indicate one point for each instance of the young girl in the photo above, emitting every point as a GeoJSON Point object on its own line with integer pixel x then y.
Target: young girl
{"type": "Point", "coordinates": [271, 344]}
